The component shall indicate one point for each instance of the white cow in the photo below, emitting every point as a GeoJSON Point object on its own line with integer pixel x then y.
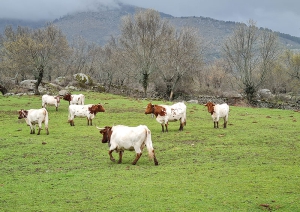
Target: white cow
{"type": "Point", "coordinates": [74, 99]}
{"type": "Point", "coordinates": [122, 138]}
{"type": "Point", "coordinates": [50, 100]}
{"type": "Point", "coordinates": [33, 117]}
{"type": "Point", "coordinates": [168, 113]}
{"type": "Point", "coordinates": [218, 111]}
{"type": "Point", "coordinates": [89, 111]}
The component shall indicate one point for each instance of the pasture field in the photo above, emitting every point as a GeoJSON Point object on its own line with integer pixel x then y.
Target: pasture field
{"type": "Point", "coordinates": [253, 165]}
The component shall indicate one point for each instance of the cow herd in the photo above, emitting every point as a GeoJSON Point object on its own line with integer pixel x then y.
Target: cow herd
{"type": "Point", "coordinates": [119, 137]}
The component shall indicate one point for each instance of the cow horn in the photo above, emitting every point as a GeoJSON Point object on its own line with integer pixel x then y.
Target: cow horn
{"type": "Point", "coordinates": [100, 128]}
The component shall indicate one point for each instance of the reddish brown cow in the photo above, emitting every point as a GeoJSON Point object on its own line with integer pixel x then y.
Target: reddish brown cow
{"type": "Point", "coordinates": [88, 111]}
{"type": "Point", "coordinates": [165, 114]}
{"type": "Point", "coordinates": [218, 111]}
{"type": "Point", "coordinates": [33, 117]}
{"type": "Point", "coordinates": [120, 138]}
{"type": "Point", "coordinates": [74, 99]}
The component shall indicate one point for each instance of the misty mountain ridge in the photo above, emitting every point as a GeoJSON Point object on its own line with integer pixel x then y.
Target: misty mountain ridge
{"type": "Point", "coordinates": [97, 26]}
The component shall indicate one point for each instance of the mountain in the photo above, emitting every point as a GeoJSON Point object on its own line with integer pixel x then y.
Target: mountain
{"type": "Point", "coordinates": [98, 27]}
{"type": "Point", "coordinates": [4, 22]}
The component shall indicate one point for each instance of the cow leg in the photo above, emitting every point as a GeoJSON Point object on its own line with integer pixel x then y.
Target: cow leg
{"type": "Point", "coordinates": [110, 155]}
{"type": "Point", "coordinates": [91, 123]}
{"type": "Point", "coordinates": [162, 128]}
{"type": "Point", "coordinates": [71, 122]}
{"type": "Point", "coordinates": [56, 108]}
{"type": "Point", "coordinates": [120, 157]}
{"type": "Point", "coordinates": [40, 127]}
{"type": "Point", "coordinates": [154, 157]}
{"type": "Point", "coordinates": [138, 155]}
{"type": "Point", "coordinates": [181, 127]}
{"type": "Point", "coordinates": [88, 121]}
{"type": "Point", "coordinates": [225, 122]}
{"type": "Point", "coordinates": [166, 125]}
{"type": "Point", "coordinates": [215, 124]}
{"type": "Point", "coordinates": [32, 129]}
{"type": "Point", "coordinates": [39, 131]}
{"type": "Point", "coordinates": [47, 130]}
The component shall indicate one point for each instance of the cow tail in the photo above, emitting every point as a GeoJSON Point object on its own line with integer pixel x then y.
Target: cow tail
{"type": "Point", "coordinates": [46, 119]}
{"type": "Point", "coordinates": [185, 119]}
{"type": "Point", "coordinates": [149, 143]}
{"type": "Point", "coordinates": [82, 99]}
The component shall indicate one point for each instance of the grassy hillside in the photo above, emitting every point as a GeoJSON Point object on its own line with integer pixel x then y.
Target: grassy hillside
{"type": "Point", "coordinates": [250, 166]}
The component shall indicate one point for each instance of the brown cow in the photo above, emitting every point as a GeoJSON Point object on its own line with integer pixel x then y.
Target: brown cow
{"type": "Point", "coordinates": [74, 99]}
{"type": "Point", "coordinates": [120, 138]}
{"type": "Point", "coordinates": [166, 113]}
{"type": "Point", "coordinates": [218, 111]}
{"type": "Point", "coordinates": [88, 111]}
{"type": "Point", "coordinates": [33, 117]}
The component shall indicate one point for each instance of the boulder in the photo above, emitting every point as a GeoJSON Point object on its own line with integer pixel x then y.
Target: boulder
{"type": "Point", "coordinates": [82, 78]}
{"type": "Point", "coordinates": [60, 81]}
{"type": "Point", "coordinates": [193, 101]}
{"type": "Point", "coordinates": [62, 92]}
{"type": "Point", "coordinates": [265, 94]}
{"type": "Point", "coordinates": [28, 84]}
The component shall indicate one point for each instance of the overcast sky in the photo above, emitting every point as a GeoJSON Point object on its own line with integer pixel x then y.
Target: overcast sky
{"type": "Point", "coordinates": [278, 15]}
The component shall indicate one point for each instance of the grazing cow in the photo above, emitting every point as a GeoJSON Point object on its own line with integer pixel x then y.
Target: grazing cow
{"type": "Point", "coordinates": [218, 111]}
{"type": "Point", "coordinates": [74, 99]}
{"type": "Point", "coordinates": [166, 113]}
{"type": "Point", "coordinates": [50, 100]}
{"type": "Point", "coordinates": [120, 138]}
{"type": "Point", "coordinates": [33, 117]}
{"type": "Point", "coordinates": [89, 111]}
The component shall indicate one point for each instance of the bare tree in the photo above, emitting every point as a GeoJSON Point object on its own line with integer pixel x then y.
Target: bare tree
{"type": "Point", "coordinates": [34, 50]}
{"type": "Point", "coordinates": [108, 60]}
{"type": "Point", "coordinates": [142, 38]}
{"type": "Point", "coordinates": [182, 55]}
{"type": "Point", "coordinates": [292, 64]}
{"type": "Point", "coordinates": [251, 54]}
{"type": "Point", "coordinates": [79, 56]}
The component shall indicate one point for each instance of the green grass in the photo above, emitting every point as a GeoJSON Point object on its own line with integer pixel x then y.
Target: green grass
{"type": "Point", "coordinates": [254, 161]}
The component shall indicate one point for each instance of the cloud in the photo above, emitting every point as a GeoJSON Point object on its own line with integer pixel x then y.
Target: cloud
{"type": "Point", "coordinates": [278, 15]}
{"type": "Point", "coordinates": [48, 9]}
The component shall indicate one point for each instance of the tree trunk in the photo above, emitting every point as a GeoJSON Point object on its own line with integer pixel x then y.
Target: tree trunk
{"type": "Point", "coordinates": [145, 83]}
{"type": "Point", "coordinates": [171, 95]}
{"type": "Point", "coordinates": [39, 79]}
{"type": "Point", "coordinates": [3, 89]}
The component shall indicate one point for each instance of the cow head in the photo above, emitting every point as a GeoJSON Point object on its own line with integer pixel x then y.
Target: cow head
{"type": "Point", "coordinates": [210, 107]}
{"type": "Point", "coordinates": [94, 109]}
{"type": "Point", "coordinates": [67, 97]}
{"type": "Point", "coordinates": [155, 109]}
{"type": "Point", "coordinates": [22, 114]}
{"type": "Point", "coordinates": [106, 132]}
{"type": "Point", "coordinates": [57, 99]}
{"type": "Point", "coordinates": [149, 109]}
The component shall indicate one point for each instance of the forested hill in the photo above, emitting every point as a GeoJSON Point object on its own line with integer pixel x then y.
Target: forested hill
{"type": "Point", "coordinates": [98, 27]}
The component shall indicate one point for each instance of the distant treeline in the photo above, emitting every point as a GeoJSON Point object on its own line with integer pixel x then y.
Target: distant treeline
{"type": "Point", "coordinates": [290, 37]}
{"type": "Point", "coordinates": [283, 35]}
